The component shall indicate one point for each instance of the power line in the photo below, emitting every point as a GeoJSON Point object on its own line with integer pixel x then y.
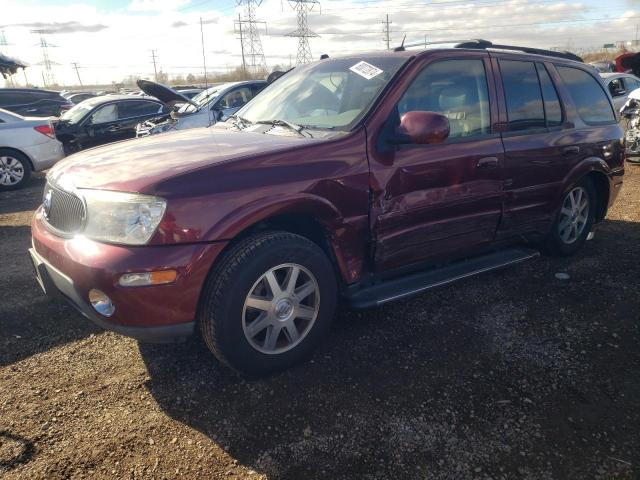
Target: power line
{"type": "Point", "coordinates": [387, 32]}
{"type": "Point", "coordinates": [250, 41]}
{"type": "Point", "coordinates": [75, 65]}
{"type": "Point", "coordinates": [302, 8]}
{"type": "Point", "coordinates": [155, 69]}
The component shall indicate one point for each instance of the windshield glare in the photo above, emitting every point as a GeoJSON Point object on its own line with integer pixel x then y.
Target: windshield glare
{"type": "Point", "coordinates": [326, 94]}
{"type": "Point", "coordinates": [200, 99]}
{"type": "Point", "coordinates": [76, 113]}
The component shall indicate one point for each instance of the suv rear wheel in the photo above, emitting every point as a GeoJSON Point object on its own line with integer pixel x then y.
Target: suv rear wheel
{"type": "Point", "coordinates": [574, 219]}
{"type": "Point", "coordinates": [268, 303]}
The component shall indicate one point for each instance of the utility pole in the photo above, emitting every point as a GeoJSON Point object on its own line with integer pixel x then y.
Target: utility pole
{"type": "Point", "coordinates": [250, 41]}
{"type": "Point", "coordinates": [155, 68]}
{"type": "Point", "coordinates": [302, 8]}
{"type": "Point", "coordinates": [244, 63]}
{"type": "Point", "coordinates": [387, 32]}
{"type": "Point", "coordinates": [75, 65]}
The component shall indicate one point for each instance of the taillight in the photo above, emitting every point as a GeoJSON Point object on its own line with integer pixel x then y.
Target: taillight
{"type": "Point", "coordinates": [45, 130]}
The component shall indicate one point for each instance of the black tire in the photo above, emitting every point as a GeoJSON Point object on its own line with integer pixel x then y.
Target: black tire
{"type": "Point", "coordinates": [554, 243]}
{"type": "Point", "coordinates": [222, 304]}
{"type": "Point", "coordinates": [25, 167]}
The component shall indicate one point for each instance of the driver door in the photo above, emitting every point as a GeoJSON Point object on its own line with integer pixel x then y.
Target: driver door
{"type": "Point", "coordinates": [103, 126]}
{"type": "Point", "coordinates": [437, 201]}
{"type": "Point", "coordinates": [231, 102]}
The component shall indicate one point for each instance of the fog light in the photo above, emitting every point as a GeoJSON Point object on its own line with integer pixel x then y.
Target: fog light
{"type": "Point", "coordinates": [101, 303]}
{"type": "Point", "coordinates": [147, 278]}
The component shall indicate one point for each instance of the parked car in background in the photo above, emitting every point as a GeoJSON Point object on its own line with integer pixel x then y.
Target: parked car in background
{"type": "Point", "coordinates": [27, 144]}
{"type": "Point", "coordinates": [78, 97]}
{"type": "Point", "coordinates": [209, 106]}
{"type": "Point", "coordinates": [620, 85]}
{"type": "Point", "coordinates": [104, 119]}
{"type": "Point", "coordinates": [189, 92]}
{"type": "Point", "coordinates": [33, 102]}
{"type": "Point", "coordinates": [604, 66]}
{"type": "Point", "coordinates": [370, 178]}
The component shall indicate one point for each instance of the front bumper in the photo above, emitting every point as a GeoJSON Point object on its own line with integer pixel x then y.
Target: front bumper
{"type": "Point", "coordinates": [71, 267]}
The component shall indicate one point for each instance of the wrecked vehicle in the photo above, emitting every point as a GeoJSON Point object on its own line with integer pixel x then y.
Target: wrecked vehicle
{"type": "Point", "coordinates": [204, 109]}
{"type": "Point", "coordinates": [367, 178]}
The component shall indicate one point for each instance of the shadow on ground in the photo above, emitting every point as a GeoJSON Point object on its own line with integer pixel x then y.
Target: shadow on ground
{"type": "Point", "coordinates": [515, 374]}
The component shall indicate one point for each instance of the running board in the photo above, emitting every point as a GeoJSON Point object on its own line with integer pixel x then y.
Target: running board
{"type": "Point", "coordinates": [415, 283]}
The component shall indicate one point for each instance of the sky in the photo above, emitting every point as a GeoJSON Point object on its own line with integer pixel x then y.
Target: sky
{"type": "Point", "coordinates": [110, 40]}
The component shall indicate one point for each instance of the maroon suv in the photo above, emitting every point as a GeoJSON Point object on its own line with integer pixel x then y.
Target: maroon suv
{"type": "Point", "coordinates": [367, 178]}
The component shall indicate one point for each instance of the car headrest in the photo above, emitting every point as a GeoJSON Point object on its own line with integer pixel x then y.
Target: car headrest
{"type": "Point", "coordinates": [452, 99]}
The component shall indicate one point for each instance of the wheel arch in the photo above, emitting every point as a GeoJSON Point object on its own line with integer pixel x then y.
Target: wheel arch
{"type": "Point", "coordinates": [25, 155]}
{"type": "Point", "coordinates": [596, 170]}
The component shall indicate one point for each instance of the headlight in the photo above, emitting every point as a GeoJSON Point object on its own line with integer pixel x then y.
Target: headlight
{"type": "Point", "coordinates": [117, 217]}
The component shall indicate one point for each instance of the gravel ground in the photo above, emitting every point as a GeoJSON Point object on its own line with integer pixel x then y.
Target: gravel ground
{"type": "Point", "coordinates": [511, 375]}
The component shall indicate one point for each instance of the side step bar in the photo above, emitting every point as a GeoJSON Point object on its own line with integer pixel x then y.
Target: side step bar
{"type": "Point", "coordinates": [415, 283]}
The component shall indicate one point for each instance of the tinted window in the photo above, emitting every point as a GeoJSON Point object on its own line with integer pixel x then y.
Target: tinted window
{"type": "Point", "coordinates": [456, 89]}
{"type": "Point", "coordinates": [524, 98]}
{"type": "Point", "coordinates": [588, 96]}
{"type": "Point", "coordinates": [631, 83]}
{"type": "Point", "coordinates": [552, 108]}
{"type": "Point", "coordinates": [137, 109]}
{"type": "Point", "coordinates": [235, 98]}
{"type": "Point", "coordinates": [17, 98]}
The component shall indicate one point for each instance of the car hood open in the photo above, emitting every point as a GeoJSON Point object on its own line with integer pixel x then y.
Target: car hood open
{"type": "Point", "coordinates": [140, 164]}
{"type": "Point", "coordinates": [163, 93]}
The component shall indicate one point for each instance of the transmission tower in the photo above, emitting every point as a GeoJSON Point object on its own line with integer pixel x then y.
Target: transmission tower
{"type": "Point", "coordinates": [302, 8]}
{"type": "Point", "coordinates": [3, 41]}
{"type": "Point", "coordinates": [250, 38]}
{"type": "Point", "coordinates": [47, 74]}
{"type": "Point", "coordinates": [387, 32]}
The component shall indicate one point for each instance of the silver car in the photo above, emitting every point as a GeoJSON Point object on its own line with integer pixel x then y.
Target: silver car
{"type": "Point", "coordinates": [26, 144]}
{"type": "Point", "coordinates": [620, 85]}
{"type": "Point", "coordinates": [203, 110]}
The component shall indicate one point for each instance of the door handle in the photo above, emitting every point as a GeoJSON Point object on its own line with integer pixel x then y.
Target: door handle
{"type": "Point", "coordinates": [115, 128]}
{"type": "Point", "coordinates": [569, 151]}
{"type": "Point", "coordinates": [488, 163]}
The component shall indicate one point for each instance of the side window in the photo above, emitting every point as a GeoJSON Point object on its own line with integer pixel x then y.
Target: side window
{"type": "Point", "coordinates": [456, 89]}
{"type": "Point", "coordinates": [236, 98]}
{"type": "Point", "coordinates": [105, 114]}
{"type": "Point", "coordinates": [137, 109]}
{"type": "Point", "coordinates": [525, 108]}
{"type": "Point", "coordinates": [258, 88]}
{"type": "Point", "coordinates": [616, 87]}
{"type": "Point", "coordinates": [588, 96]}
{"type": "Point", "coordinates": [631, 83]}
{"type": "Point", "coordinates": [552, 108]}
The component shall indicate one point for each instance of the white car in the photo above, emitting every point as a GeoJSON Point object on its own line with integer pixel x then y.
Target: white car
{"type": "Point", "coordinates": [26, 144]}
{"type": "Point", "coordinates": [620, 85]}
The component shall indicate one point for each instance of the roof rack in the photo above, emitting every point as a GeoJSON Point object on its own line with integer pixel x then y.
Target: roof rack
{"type": "Point", "coordinates": [479, 44]}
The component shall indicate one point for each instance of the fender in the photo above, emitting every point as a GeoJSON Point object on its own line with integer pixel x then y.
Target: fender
{"type": "Point", "coordinates": [586, 166]}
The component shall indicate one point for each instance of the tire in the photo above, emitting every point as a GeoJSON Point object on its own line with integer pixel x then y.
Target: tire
{"type": "Point", "coordinates": [560, 241]}
{"type": "Point", "coordinates": [257, 341]}
{"type": "Point", "coordinates": [15, 169]}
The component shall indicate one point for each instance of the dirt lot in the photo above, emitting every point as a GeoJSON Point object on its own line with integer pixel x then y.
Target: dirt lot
{"type": "Point", "coordinates": [514, 374]}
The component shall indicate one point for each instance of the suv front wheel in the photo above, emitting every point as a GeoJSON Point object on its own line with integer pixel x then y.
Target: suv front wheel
{"type": "Point", "coordinates": [574, 219]}
{"type": "Point", "coordinates": [268, 303]}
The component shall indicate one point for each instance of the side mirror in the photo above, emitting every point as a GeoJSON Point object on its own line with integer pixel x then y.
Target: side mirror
{"type": "Point", "coordinates": [423, 128]}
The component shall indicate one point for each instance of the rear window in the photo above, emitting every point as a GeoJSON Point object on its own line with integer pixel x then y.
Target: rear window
{"type": "Point", "coordinates": [552, 108]}
{"type": "Point", "coordinates": [589, 97]}
{"type": "Point", "coordinates": [525, 108]}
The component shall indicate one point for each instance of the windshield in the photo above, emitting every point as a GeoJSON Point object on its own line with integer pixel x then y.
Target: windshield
{"type": "Point", "coordinates": [200, 99]}
{"type": "Point", "coordinates": [76, 113]}
{"type": "Point", "coordinates": [331, 94]}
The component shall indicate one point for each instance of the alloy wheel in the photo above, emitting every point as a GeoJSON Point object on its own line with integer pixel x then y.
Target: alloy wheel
{"type": "Point", "coordinates": [573, 215]}
{"type": "Point", "coordinates": [281, 308]}
{"type": "Point", "coordinates": [11, 171]}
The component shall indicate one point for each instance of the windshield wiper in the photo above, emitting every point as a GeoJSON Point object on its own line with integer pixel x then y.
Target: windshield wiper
{"type": "Point", "coordinates": [285, 123]}
{"type": "Point", "coordinates": [240, 120]}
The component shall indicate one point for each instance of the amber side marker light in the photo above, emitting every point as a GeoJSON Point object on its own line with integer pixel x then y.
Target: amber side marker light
{"type": "Point", "coordinates": [143, 279]}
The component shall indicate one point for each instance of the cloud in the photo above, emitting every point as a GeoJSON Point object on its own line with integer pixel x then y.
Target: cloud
{"type": "Point", "coordinates": [179, 24]}
{"type": "Point", "coordinates": [60, 27]}
{"type": "Point", "coordinates": [156, 5]}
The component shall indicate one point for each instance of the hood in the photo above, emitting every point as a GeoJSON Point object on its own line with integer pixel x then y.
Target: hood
{"type": "Point", "coordinates": [163, 93]}
{"type": "Point", "coordinates": [139, 164]}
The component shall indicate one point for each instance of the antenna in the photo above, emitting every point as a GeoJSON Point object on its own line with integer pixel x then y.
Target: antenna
{"type": "Point", "coordinates": [204, 64]}
{"type": "Point", "coordinates": [302, 8]}
{"type": "Point", "coordinates": [250, 37]}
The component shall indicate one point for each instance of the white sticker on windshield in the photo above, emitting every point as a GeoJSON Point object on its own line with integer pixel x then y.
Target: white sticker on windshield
{"type": "Point", "coordinates": [366, 70]}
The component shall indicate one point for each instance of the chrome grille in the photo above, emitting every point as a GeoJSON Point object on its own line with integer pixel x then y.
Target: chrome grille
{"type": "Point", "coordinates": [64, 211]}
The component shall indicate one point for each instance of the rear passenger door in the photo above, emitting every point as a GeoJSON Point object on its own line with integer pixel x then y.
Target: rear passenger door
{"type": "Point", "coordinates": [539, 147]}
